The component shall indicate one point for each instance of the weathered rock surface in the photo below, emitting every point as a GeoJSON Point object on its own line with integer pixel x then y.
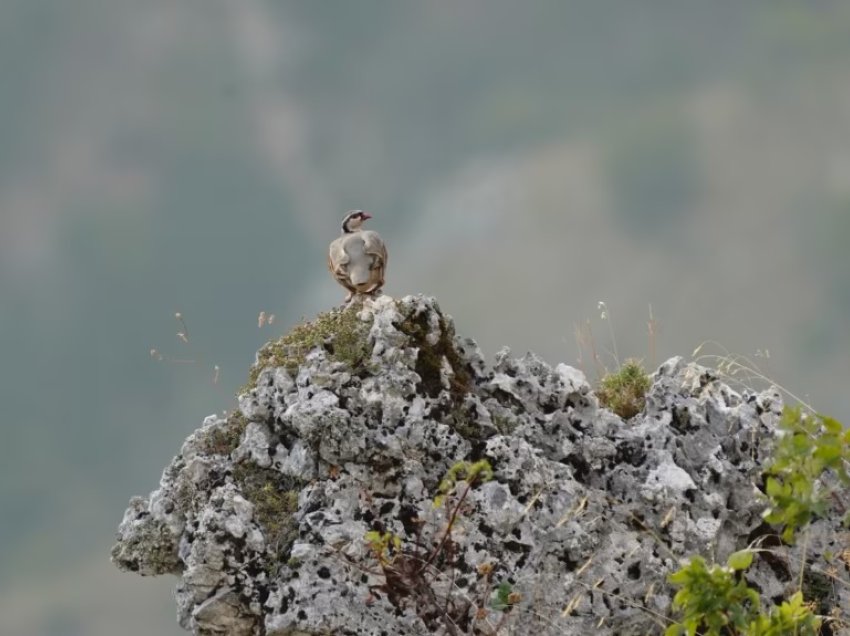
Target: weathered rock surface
{"type": "Point", "coordinates": [264, 514]}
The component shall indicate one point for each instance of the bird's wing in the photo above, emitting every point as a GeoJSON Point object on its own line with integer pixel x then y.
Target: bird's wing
{"type": "Point", "coordinates": [337, 256]}
{"type": "Point", "coordinates": [358, 263]}
{"type": "Point", "coordinates": [338, 260]}
{"type": "Point", "coordinates": [376, 256]}
{"type": "Point", "coordinates": [374, 246]}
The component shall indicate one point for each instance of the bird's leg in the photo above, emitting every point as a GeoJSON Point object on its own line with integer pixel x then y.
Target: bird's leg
{"type": "Point", "coordinates": [355, 298]}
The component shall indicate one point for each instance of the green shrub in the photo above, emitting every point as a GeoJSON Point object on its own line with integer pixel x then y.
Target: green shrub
{"type": "Point", "coordinates": [810, 446]}
{"type": "Point", "coordinates": [716, 601]}
{"type": "Point", "coordinates": [712, 598]}
{"type": "Point", "coordinates": [812, 452]}
{"type": "Point", "coordinates": [415, 567]}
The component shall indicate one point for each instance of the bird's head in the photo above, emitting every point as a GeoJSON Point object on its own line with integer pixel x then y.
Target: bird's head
{"type": "Point", "coordinates": [353, 220]}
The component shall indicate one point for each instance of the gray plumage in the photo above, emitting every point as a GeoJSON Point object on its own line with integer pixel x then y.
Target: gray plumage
{"type": "Point", "coordinates": [358, 258]}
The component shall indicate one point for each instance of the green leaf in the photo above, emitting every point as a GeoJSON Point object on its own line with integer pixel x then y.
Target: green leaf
{"type": "Point", "coordinates": [788, 534]}
{"type": "Point", "coordinates": [372, 537]}
{"type": "Point", "coordinates": [679, 577]}
{"type": "Point", "coordinates": [828, 453]}
{"type": "Point", "coordinates": [754, 597]}
{"type": "Point", "coordinates": [831, 425]}
{"type": "Point", "coordinates": [772, 516]}
{"type": "Point", "coordinates": [740, 560]}
{"type": "Point", "coordinates": [773, 487]}
{"type": "Point", "coordinates": [502, 596]}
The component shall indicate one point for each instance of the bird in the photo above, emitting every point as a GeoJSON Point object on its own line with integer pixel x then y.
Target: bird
{"type": "Point", "coordinates": [358, 258]}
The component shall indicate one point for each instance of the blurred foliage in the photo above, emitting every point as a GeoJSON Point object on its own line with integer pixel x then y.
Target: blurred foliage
{"type": "Point", "coordinates": [807, 477]}
{"type": "Point", "coordinates": [811, 452]}
{"type": "Point", "coordinates": [717, 601]}
{"type": "Point", "coordinates": [713, 600]}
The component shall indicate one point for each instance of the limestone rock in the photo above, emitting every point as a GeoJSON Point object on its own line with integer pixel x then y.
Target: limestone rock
{"type": "Point", "coordinates": [311, 510]}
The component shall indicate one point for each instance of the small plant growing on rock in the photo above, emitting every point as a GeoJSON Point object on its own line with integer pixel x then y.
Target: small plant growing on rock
{"type": "Point", "coordinates": [812, 451]}
{"type": "Point", "coordinates": [716, 601]}
{"type": "Point", "coordinates": [623, 391]}
{"type": "Point", "coordinates": [415, 572]}
{"type": "Point", "coordinates": [810, 448]}
{"type": "Point", "coordinates": [384, 546]}
{"type": "Point", "coordinates": [471, 473]}
{"type": "Point", "coordinates": [713, 598]}
{"type": "Point", "coordinates": [504, 597]}
{"type": "Point", "coordinates": [792, 617]}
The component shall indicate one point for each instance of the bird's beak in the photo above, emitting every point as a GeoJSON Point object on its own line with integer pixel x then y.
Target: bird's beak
{"type": "Point", "coordinates": [366, 216]}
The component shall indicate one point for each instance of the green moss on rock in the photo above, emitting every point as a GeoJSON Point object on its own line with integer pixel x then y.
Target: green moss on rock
{"type": "Point", "coordinates": [340, 332]}
{"type": "Point", "coordinates": [152, 551]}
{"type": "Point", "coordinates": [275, 500]}
{"type": "Point", "coordinates": [429, 362]}
{"type": "Point", "coordinates": [505, 425]}
{"type": "Point", "coordinates": [223, 439]}
{"type": "Point", "coordinates": [465, 424]}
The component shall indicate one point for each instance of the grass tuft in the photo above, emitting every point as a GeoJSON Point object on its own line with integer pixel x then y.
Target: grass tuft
{"type": "Point", "coordinates": [623, 391]}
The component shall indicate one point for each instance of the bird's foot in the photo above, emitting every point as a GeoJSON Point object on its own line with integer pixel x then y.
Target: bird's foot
{"type": "Point", "coordinates": [358, 298]}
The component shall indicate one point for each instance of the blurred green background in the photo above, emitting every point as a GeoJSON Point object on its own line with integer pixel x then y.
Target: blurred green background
{"type": "Point", "coordinates": [522, 160]}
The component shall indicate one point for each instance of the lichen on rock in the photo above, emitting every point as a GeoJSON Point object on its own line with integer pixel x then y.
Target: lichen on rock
{"type": "Point", "coordinates": [344, 432]}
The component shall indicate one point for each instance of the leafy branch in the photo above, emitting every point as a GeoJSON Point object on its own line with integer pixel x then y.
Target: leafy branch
{"type": "Point", "coordinates": [716, 601]}
{"type": "Point", "coordinates": [415, 571]}
{"type": "Point", "coordinates": [809, 448]}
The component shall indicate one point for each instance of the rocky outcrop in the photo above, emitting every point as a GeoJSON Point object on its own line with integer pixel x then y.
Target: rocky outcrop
{"type": "Point", "coordinates": [321, 505]}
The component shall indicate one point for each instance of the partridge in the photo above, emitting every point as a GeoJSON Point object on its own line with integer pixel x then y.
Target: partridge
{"type": "Point", "coordinates": [358, 258]}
